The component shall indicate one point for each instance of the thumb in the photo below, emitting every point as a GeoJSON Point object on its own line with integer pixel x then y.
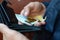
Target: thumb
{"type": "Point", "coordinates": [25, 12]}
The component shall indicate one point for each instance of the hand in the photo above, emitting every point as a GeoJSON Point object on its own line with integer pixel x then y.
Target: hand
{"type": "Point", "coordinates": [10, 34]}
{"type": "Point", "coordinates": [39, 23]}
{"type": "Point", "coordinates": [32, 9]}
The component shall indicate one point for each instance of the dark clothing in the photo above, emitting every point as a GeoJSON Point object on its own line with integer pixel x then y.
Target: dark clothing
{"type": "Point", "coordinates": [10, 12]}
{"type": "Point", "coordinates": [51, 30]}
{"type": "Point", "coordinates": [53, 19]}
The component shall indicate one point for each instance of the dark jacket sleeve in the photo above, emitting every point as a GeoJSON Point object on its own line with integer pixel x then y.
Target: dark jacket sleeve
{"type": "Point", "coordinates": [51, 13]}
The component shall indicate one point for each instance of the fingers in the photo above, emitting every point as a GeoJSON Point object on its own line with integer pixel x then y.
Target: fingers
{"type": "Point", "coordinates": [43, 23]}
{"type": "Point", "coordinates": [25, 12]}
{"type": "Point", "coordinates": [22, 12]}
{"type": "Point", "coordinates": [39, 23]}
{"type": "Point", "coordinates": [20, 23]}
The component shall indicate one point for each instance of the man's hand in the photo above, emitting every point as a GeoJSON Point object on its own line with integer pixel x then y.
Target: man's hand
{"type": "Point", "coordinates": [10, 34]}
{"type": "Point", "coordinates": [32, 9]}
